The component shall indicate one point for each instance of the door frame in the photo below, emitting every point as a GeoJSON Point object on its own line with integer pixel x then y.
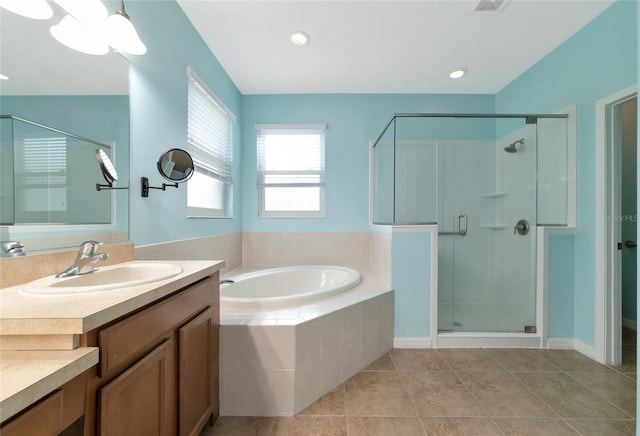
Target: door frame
{"type": "Point", "coordinates": [608, 295]}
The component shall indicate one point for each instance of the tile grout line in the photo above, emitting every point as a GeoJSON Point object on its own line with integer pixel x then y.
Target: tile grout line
{"type": "Point", "coordinates": [562, 371]}
{"type": "Point", "coordinates": [599, 396]}
{"type": "Point", "coordinates": [455, 374]}
{"type": "Point", "coordinates": [567, 373]}
{"type": "Point", "coordinates": [540, 399]}
{"type": "Point", "coordinates": [413, 405]}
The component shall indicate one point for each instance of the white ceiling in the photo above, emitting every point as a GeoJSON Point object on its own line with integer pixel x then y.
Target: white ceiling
{"type": "Point", "coordinates": [360, 46]}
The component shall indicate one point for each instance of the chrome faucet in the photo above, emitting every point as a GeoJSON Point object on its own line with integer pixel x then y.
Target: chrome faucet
{"type": "Point", "coordinates": [85, 260]}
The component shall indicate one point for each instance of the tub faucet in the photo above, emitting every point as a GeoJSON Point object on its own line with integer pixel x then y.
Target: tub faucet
{"type": "Point", "coordinates": [85, 260]}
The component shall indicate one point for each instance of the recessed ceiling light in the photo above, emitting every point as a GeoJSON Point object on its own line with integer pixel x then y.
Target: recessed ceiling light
{"type": "Point", "coordinates": [300, 38]}
{"type": "Point", "coordinates": [3, 77]}
{"type": "Point", "coordinates": [457, 73]}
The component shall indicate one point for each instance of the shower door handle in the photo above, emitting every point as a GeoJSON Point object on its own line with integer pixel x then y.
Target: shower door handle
{"type": "Point", "coordinates": [462, 227]}
{"type": "Point", "coordinates": [462, 224]}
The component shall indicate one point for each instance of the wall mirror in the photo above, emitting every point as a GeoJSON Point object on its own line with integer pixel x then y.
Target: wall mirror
{"type": "Point", "coordinates": [62, 89]}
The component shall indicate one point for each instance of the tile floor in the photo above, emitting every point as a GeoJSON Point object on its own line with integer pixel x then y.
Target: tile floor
{"type": "Point", "coordinates": [468, 392]}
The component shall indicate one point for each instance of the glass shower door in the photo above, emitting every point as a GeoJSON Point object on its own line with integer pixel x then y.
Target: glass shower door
{"type": "Point", "coordinates": [487, 219]}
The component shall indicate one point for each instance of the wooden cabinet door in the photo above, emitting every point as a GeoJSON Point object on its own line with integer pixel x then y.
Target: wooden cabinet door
{"type": "Point", "coordinates": [198, 372]}
{"type": "Point", "coordinates": [138, 402]}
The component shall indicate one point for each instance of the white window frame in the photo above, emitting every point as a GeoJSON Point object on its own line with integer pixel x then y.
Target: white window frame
{"type": "Point", "coordinates": [216, 164]}
{"type": "Point", "coordinates": [261, 173]}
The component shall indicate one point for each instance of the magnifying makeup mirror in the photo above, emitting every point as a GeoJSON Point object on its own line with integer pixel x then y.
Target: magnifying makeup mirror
{"type": "Point", "coordinates": [108, 170]}
{"type": "Point", "coordinates": [175, 165]}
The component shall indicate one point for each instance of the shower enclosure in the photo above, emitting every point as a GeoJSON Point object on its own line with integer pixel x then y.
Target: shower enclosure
{"type": "Point", "coordinates": [488, 182]}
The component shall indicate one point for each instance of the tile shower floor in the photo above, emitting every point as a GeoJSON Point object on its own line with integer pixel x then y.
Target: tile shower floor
{"type": "Point", "coordinates": [468, 392]}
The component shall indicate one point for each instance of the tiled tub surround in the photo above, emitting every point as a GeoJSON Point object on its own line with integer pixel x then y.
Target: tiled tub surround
{"type": "Point", "coordinates": [284, 249]}
{"type": "Point", "coordinates": [227, 247]}
{"type": "Point", "coordinates": [276, 363]}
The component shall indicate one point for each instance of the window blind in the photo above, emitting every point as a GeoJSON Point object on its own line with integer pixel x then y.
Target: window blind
{"type": "Point", "coordinates": [209, 130]}
{"type": "Point", "coordinates": [42, 162]}
{"type": "Point", "coordinates": [290, 156]}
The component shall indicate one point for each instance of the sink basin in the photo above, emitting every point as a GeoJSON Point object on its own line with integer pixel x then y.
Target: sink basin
{"type": "Point", "coordinates": [108, 278]}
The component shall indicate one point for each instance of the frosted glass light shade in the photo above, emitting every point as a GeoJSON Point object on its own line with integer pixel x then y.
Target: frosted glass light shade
{"type": "Point", "coordinates": [37, 9]}
{"type": "Point", "coordinates": [85, 11]}
{"type": "Point", "coordinates": [122, 36]}
{"type": "Point", "coordinates": [78, 36]}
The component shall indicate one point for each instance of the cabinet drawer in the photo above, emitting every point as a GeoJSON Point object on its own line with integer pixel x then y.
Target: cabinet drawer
{"type": "Point", "coordinates": [43, 419]}
{"type": "Point", "coordinates": [126, 341]}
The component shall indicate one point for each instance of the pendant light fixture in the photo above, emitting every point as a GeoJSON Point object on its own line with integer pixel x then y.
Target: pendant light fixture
{"type": "Point", "coordinates": [85, 11]}
{"type": "Point", "coordinates": [79, 36]}
{"type": "Point", "coordinates": [36, 9]}
{"type": "Point", "coordinates": [87, 28]}
{"type": "Point", "coordinates": [120, 34]}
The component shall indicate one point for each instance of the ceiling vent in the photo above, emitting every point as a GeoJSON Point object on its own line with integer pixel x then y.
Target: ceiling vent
{"type": "Point", "coordinates": [489, 5]}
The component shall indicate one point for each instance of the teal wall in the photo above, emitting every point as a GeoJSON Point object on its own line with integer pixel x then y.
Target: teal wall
{"type": "Point", "coordinates": [597, 61]}
{"type": "Point", "coordinates": [411, 280]}
{"type": "Point", "coordinates": [561, 286]}
{"type": "Point", "coordinates": [159, 121]}
{"type": "Point", "coordinates": [352, 121]}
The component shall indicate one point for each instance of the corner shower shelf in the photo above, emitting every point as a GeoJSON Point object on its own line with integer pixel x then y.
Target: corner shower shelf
{"type": "Point", "coordinates": [494, 194]}
{"type": "Point", "coordinates": [494, 227]}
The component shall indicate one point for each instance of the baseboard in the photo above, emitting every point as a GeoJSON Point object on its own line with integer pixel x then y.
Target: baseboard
{"type": "Point", "coordinates": [488, 340]}
{"type": "Point", "coordinates": [424, 342]}
{"type": "Point", "coordinates": [560, 343]}
{"type": "Point", "coordinates": [630, 324]}
{"type": "Point", "coordinates": [571, 344]}
{"type": "Point", "coordinates": [585, 349]}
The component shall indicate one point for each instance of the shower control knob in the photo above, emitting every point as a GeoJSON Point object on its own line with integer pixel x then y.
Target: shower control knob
{"type": "Point", "coordinates": [521, 227]}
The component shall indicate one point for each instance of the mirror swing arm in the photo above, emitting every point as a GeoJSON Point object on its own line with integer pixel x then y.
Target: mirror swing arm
{"type": "Point", "coordinates": [175, 165]}
{"type": "Point", "coordinates": [146, 187]}
{"type": "Point", "coordinates": [108, 187]}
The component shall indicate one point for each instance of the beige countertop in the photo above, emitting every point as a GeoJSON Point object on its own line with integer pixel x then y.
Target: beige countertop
{"type": "Point", "coordinates": [27, 374]}
{"type": "Point", "coordinates": [59, 314]}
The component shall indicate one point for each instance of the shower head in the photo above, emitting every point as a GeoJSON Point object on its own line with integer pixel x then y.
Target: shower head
{"type": "Point", "coordinates": [511, 148]}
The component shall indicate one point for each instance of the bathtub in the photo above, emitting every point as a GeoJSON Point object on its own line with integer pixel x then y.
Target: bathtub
{"type": "Point", "coordinates": [286, 286]}
{"type": "Point", "coordinates": [296, 333]}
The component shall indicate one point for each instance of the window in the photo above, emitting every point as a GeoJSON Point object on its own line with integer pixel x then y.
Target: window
{"type": "Point", "coordinates": [210, 142]}
{"type": "Point", "coordinates": [41, 177]}
{"type": "Point", "coordinates": [291, 171]}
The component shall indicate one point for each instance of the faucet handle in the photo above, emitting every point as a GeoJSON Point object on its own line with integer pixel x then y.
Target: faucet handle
{"type": "Point", "coordinates": [9, 246]}
{"type": "Point", "coordinates": [88, 248]}
{"type": "Point", "coordinates": [12, 248]}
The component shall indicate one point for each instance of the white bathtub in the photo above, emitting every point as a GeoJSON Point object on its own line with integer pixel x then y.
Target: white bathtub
{"type": "Point", "coordinates": [286, 286]}
{"type": "Point", "coordinates": [316, 327]}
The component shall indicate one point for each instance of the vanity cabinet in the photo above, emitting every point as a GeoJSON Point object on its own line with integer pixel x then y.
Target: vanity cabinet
{"type": "Point", "coordinates": [52, 414]}
{"type": "Point", "coordinates": [158, 370]}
